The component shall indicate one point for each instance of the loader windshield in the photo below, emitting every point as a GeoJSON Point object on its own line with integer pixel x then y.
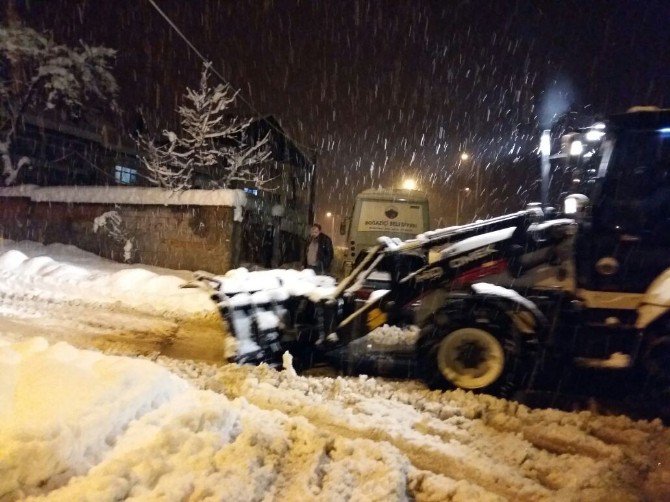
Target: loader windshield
{"type": "Point", "coordinates": [640, 165]}
{"type": "Point", "coordinates": [636, 188]}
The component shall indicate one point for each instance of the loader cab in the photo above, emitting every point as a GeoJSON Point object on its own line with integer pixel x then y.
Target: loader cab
{"type": "Point", "coordinates": [383, 212]}
{"type": "Point", "coordinates": [621, 196]}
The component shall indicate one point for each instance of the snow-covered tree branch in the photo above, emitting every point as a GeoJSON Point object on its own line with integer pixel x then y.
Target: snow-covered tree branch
{"type": "Point", "coordinates": [208, 142]}
{"type": "Point", "coordinates": [37, 74]}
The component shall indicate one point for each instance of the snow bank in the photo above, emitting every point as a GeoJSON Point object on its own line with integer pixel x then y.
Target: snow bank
{"type": "Point", "coordinates": [94, 280]}
{"type": "Point", "coordinates": [136, 430]}
{"type": "Point", "coordinates": [76, 256]}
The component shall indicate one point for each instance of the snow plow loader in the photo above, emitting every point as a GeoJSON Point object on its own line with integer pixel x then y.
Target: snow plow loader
{"type": "Point", "coordinates": [473, 335]}
{"type": "Point", "coordinates": [508, 299]}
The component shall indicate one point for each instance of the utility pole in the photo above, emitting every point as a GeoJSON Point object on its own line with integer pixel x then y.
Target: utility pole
{"type": "Point", "coordinates": [465, 190]}
{"type": "Point", "coordinates": [475, 164]}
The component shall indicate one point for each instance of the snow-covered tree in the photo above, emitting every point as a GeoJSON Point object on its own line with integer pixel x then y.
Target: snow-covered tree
{"type": "Point", "coordinates": [208, 141]}
{"type": "Point", "coordinates": [36, 74]}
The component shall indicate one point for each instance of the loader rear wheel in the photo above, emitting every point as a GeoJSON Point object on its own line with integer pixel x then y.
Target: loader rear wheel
{"type": "Point", "coordinates": [480, 356]}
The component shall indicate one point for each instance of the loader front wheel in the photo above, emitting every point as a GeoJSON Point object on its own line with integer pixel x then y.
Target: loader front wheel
{"type": "Point", "coordinates": [470, 356]}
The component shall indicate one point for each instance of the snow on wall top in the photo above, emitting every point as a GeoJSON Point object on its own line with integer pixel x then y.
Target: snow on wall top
{"type": "Point", "coordinates": [127, 195]}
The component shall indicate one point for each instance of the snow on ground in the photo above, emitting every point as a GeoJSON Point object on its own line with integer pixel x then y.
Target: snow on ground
{"type": "Point", "coordinates": [139, 431]}
{"type": "Point", "coordinates": [465, 446]}
{"type": "Point", "coordinates": [80, 425]}
{"type": "Point", "coordinates": [390, 337]}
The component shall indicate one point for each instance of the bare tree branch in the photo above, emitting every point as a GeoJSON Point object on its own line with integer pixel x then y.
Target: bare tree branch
{"type": "Point", "coordinates": [208, 141]}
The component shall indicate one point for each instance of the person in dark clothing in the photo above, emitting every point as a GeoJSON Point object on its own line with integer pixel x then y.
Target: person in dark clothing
{"type": "Point", "coordinates": [318, 251]}
{"type": "Point", "coordinates": [267, 246]}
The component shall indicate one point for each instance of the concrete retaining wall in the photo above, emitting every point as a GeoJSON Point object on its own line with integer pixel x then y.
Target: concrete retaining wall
{"type": "Point", "coordinates": [179, 237]}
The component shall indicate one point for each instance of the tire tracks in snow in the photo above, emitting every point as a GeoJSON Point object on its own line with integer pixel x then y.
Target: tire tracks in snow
{"type": "Point", "coordinates": [498, 446]}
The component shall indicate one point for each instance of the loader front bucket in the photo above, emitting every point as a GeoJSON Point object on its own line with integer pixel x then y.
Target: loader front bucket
{"type": "Point", "coordinates": [261, 308]}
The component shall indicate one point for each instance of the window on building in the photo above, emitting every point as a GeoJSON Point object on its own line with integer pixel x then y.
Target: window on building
{"type": "Point", "coordinates": [125, 175]}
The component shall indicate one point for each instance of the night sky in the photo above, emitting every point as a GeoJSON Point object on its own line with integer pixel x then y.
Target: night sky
{"type": "Point", "coordinates": [388, 89]}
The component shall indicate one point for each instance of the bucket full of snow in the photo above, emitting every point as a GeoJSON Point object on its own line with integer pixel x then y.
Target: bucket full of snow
{"type": "Point", "coordinates": [260, 306]}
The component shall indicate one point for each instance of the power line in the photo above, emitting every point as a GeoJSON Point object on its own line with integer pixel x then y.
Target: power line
{"type": "Point", "coordinates": [222, 78]}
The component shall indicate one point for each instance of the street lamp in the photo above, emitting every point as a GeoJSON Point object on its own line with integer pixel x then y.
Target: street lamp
{"type": "Point", "coordinates": [409, 184]}
{"type": "Point", "coordinates": [545, 165]}
{"type": "Point", "coordinates": [465, 156]}
{"type": "Point", "coordinates": [465, 190]}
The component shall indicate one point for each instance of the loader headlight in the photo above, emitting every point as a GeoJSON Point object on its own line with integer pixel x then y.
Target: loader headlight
{"type": "Point", "coordinates": [576, 148]}
{"type": "Point", "coordinates": [594, 135]}
{"type": "Point", "coordinates": [575, 204]}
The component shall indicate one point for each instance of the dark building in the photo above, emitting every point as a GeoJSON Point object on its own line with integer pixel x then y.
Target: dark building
{"type": "Point", "coordinates": [286, 206]}
{"type": "Point", "coordinates": [63, 153]}
{"type": "Point", "coordinates": [275, 218]}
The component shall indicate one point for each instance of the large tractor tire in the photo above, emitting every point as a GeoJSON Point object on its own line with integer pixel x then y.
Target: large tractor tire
{"type": "Point", "coordinates": [478, 350]}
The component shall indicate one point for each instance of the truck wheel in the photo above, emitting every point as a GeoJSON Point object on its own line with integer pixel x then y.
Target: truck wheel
{"type": "Point", "coordinates": [476, 356]}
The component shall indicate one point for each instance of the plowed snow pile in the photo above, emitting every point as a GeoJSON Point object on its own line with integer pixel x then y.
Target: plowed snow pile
{"type": "Point", "coordinates": [63, 293]}
{"type": "Point", "coordinates": [67, 272]}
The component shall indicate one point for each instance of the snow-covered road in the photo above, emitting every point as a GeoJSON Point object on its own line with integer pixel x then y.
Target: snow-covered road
{"type": "Point", "coordinates": [82, 425]}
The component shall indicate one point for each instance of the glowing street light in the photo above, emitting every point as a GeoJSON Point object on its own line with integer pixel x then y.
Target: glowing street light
{"type": "Point", "coordinates": [465, 156]}
{"type": "Point", "coordinates": [409, 184]}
